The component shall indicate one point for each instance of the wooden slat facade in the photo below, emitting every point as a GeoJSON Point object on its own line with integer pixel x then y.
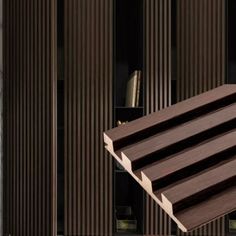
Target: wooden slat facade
{"type": "Point", "coordinates": [88, 112]}
{"type": "Point", "coordinates": [157, 95]}
{"type": "Point", "coordinates": [29, 117]}
{"type": "Point", "coordinates": [201, 49]}
{"type": "Point", "coordinates": [201, 60]}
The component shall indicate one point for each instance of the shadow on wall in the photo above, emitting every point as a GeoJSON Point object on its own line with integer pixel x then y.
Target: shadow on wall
{"type": "Point", "coordinates": [1, 105]}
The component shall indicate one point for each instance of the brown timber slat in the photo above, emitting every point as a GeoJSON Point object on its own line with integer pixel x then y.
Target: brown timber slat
{"type": "Point", "coordinates": [191, 164]}
{"type": "Point", "coordinates": [30, 117]}
{"type": "Point", "coordinates": [88, 60]}
{"type": "Point", "coordinates": [200, 187]}
{"type": "Point", "coordinates": [179, 138]}
{"type": "Point", "coordinates": [157, 95]}
{"type": "Point", "coordinates": [196, 106]}
{"type": "Point", "coordinates": [192, 160]}
{"type": "Point", "coordinates": [201, 59]}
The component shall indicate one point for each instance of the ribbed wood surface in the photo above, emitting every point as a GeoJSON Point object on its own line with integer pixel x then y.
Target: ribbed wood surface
{"type": "Point", "coordinates": [215, 228]}
{"type": "Point", "coordinates": [157, 76]}
{"type": "Point", "coordinates": [183, 156]}
{"type": "Point", "coordinates": [200, 46]}
{"type": "Point", "coordinates": [201, 61]}
{"type": "Point", "coordinates": [29, 117]}
{"type": "Point", "coordinates": [88, 112]}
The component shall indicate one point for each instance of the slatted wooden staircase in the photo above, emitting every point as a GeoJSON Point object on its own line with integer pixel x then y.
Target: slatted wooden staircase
{"type": "Point", "coordinates": [184, 156]}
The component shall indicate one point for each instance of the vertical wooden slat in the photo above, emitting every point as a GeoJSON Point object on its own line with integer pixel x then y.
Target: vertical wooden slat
{"type": "Point", "coordinates": [157, 76]}
{"type": "Point", "coordinates": [30, 117]}
{"type": "Point", "coordinates": [88, 112]}
{"type": "Point", "coordinates": [201, 62]}
{"type": "Point", "coordinates": [200, 46]}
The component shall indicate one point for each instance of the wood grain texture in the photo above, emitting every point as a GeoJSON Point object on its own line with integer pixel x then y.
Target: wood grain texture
{"type": "Point", "coordinates": [157, 94]}
{"type": "Point", "coordinates": [202, 146]}
{"type": "Point", "coordinates": [201, 60]}
{"type": "Point", "coordinates": [200, 187]}
{"type": "Point", "coordinates": [88, 112]}
{"type": "Point", "coordinates": [30, 117]}
{"type": "Point", "coordinates": [200, 46]}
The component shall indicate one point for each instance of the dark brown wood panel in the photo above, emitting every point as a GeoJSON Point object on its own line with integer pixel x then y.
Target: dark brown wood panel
{"type": "Point", "coordinates": [181, 112]}
{"type": "Point", "coordinates": [200, 187]}
{"type": "Point", "coordinates": [197, 158]}
{"type": "Point", "coordinates": [201, 58]}
{"type": "Point", "coordinates": [188, 169]}
{"type": "Point", "coordinates": [30, 117]}
{"type": "Point", "coordinates": [200, 46]}
{"type": "Point", "coordinates": [157, 77]}
{"type": "Point", "coordinates": [88, 112]}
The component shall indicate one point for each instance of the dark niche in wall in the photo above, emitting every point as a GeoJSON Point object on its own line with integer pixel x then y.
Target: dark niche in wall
{"type": "Point", "coordinates": [231, 35]}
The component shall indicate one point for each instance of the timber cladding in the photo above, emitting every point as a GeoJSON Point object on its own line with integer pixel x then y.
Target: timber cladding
{"type": "Point", "coordinates": [184, 156]}
{"type": "Point", "coordinates": [88, 111]}
{"type": "Point", "coordinates": [157, 86]}
{"type": "Point", "coordinates": [201, 62]}
{"type": "Point", "coordinates": [29, 117]}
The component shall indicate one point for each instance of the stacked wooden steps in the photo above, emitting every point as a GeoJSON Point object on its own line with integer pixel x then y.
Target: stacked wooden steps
{"type": "Point", "coordinates": [184, 156]}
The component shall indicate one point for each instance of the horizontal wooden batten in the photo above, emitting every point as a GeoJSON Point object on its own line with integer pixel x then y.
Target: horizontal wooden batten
{"type": "Point", "coordinates": [191, 160]}
{"type": "Point", "coordinates": [178, 166]}
{"type": "Point", "coordinates": [181, 113]}
{"type": "Point", "coordinates": [200, 187]}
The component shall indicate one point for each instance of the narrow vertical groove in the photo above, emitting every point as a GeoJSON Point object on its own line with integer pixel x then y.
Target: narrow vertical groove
{"type": "Point", "coordinates": [74, 115]}
{"type": "Point", "coordinates": [157, 76]}
{"type": "Point", "coordinates": [88, 106]}
{"type": "Point", "coordinates": [65, 122]}
{"type": "Point", "coordinates": [25, 179]}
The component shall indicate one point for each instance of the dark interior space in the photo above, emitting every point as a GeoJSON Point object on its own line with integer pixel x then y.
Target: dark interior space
{"type": "Point", "coordinates": [173, 52]}
{"type": "Point", "coordinates": [128, 39]}
{"type": "Point", "coordinates": [128, 57]}
{"type": "Point", "coordinates": [231, 35]}
{"type": "Point", "coordinates": [60, 116]}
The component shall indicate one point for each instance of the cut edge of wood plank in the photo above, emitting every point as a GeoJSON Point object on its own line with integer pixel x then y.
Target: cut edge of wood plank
{"type": "Point", "coordinates": [108, 141]}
